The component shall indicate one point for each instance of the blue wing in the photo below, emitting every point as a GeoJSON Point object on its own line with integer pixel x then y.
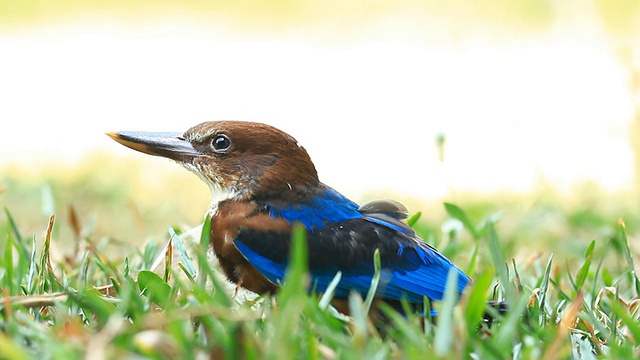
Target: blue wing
{"type": "Point", "coordinates": [411, 268]}
{"type": "Point", "coordinates": [328, 206]}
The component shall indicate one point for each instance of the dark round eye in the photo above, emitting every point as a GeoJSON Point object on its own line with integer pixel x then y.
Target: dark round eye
{"type": "Point", "coordinates": [220, 143]}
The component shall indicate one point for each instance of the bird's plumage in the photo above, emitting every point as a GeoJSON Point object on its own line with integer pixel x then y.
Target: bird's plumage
{"type": "Point", "coordinates": [264, 182]}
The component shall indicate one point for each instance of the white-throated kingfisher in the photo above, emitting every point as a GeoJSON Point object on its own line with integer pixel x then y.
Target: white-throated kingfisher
{"type": "Point", "coordinates": [263, 182]}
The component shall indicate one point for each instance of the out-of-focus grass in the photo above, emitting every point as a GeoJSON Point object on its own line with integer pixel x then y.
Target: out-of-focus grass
{"type": "Point", "coordinates": [564, 263]}
{"type": "Point", "coordinates": [124, 200]}
{"type": "Point", "coordinates": [131, 200]}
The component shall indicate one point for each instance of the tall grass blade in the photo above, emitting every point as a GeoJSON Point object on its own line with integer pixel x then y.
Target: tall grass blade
{"type": "Point", "coordinates": [444, 333]}
{"type": "Point", "coordinates": [510, 327]}
{"type": "Point", "coordinates": [584, 269]}
{"type": "Point", "coordinates": [22, 246]}
{"type": "Point", "coordinates": [471, 268]}
{"type": "Point", "coordinates": [185, 259]}
{"type": "Point", "coordinates": [33, 268]}
{"type": "Point", "coordinates": [498, 259]}
{"type": "Point", "coordinates": [46, 270]}
{"type": "Point", "coordinates": [457, 213]}
{"type": "Point", "coordinates": [356, 309]}
{"type": "Point", "coordinates": [205, 238]}
{"type": "Point", "coordinates": [375, 280]}
{"type": "Point", "coordinates": [327, 296]}
{"type": "Point", "coordinates": [543, 292]}
{"type": "Point", "coordinates": [630, 320]}
{"type": "Point", "coordinates": [624, 242]}
{"type": "Point", "coordinates": [476, 301]}
{"type": "Point", "coordinates": [8, 279]}
{"type": "Point", "coordinates": [296, 277]}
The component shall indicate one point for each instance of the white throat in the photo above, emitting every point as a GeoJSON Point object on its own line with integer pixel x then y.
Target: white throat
{"type": "Point", "coordinates": [218, 192]}
{"type": "Point", "coordinates": [218, 195]}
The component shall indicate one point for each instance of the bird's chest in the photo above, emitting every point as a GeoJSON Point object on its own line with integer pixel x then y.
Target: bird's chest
{"type": "Point", "coordinates": [227, 223]}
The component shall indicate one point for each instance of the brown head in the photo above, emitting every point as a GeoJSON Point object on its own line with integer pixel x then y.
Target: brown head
{"type": "Point", "coordinates": [237, 159]}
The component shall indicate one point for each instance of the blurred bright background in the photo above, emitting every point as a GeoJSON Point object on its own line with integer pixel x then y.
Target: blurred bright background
{"type": "Point", "coordinates": [536, 101]}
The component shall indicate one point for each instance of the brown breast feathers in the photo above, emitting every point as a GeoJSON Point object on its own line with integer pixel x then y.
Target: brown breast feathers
{"type": "Point", "coordinates": [229, 220]}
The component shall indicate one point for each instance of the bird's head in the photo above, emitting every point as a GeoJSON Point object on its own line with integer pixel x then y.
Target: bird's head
{"type": "Point", "coordinates": [237, 159]}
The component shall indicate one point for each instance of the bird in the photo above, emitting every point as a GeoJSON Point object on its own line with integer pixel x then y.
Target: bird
{"type": "Point", "coordinates": [263, 183]}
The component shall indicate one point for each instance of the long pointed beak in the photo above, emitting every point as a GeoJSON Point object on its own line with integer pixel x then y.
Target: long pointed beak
{"type": "Point", "coordinates": [169, 145]}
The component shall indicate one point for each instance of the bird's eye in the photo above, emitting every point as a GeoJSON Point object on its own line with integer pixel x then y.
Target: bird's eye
{"type": "Point", "coordinates": [220, 143]}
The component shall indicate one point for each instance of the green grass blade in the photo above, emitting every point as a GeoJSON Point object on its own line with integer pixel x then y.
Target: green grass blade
{"type": "Point", "coordinates": [516, 277]}
{"type": "Point", "coordinates": [631, 322]}
{"type": "Point", "coordinates": [22, 248]}
{"type": "Point", "coordinates": [327, 296]}
{"type": "Point", "coordinates": [292, 299]}
{"type": "Point", "coordinates": [444, 336]}
{"type": "Point", "coordinates": [185, 259]}
{"type": "Point", "coordinates": [356, 308]}
{"type": "Point", "coordinates": [623, 241]}
{"type": "Point", "coordinates": [414, 218]}
{"type": "Point", "coordinates": [476, 302]}
{"type": "Point", "coordinates": [457, 213]}
{"type": "Point", "coordinates": [205, 239]}
{"type": "Point", "coordinates": [296, 278]}
{"type": "Point", "coordinates": [584, 269]}
{"type": "Point", "coordinates": [10, 282]}
{"type": "Point", "coordinates": [46, 270]}
{"type": "Point", "coordinates": [599, 270]}
{"type": "Point", "coordinates": [33, 268]}
{"type": "Point", "coordinates": [375, 280]}
{"type": "Point", "coordinates": [186, 272]}
{"type": "Point", "coordinates": [510, 326]}
{"type": "Point", "coordinates": [498, 259]}
{"type": "Point", "coordinates": [471, 268]}
{"type": "Point", "coordinates": [94, 303]}
{"type": "Point", "coordinates": [543, 291]}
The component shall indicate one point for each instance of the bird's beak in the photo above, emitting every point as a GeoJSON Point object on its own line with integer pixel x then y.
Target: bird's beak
{"type": "Point", "coordinates": [169, 145]}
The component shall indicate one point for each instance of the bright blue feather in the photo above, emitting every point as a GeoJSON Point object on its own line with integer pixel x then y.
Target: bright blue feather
{"type": "Point", "coordinates": [411, 271]}
{"type": "Point", "coordinates": [328, 207]}
{"type": "Point", "coordinates": [395, 283]}
{"type": "Point", "coordinates": [272, 270]}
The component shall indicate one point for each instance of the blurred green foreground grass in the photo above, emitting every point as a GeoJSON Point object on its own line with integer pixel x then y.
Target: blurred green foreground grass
{"type": "Point", "coordinates": [105, 279]}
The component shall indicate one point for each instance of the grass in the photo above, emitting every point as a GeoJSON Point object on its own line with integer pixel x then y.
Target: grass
{"type": "Point", "coordinates": [161, 299]}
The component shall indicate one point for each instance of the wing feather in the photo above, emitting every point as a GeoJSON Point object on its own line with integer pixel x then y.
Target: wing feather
{"type": "Point", "coordinates": [411, 269]}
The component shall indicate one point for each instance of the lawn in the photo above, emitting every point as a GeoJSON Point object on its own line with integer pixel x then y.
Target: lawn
{"type": "Point", "coordinates": [91, 268]}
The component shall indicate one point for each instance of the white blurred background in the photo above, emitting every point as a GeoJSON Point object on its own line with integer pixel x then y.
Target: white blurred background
{"type": "Point", "coordinates": [522, 97]}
